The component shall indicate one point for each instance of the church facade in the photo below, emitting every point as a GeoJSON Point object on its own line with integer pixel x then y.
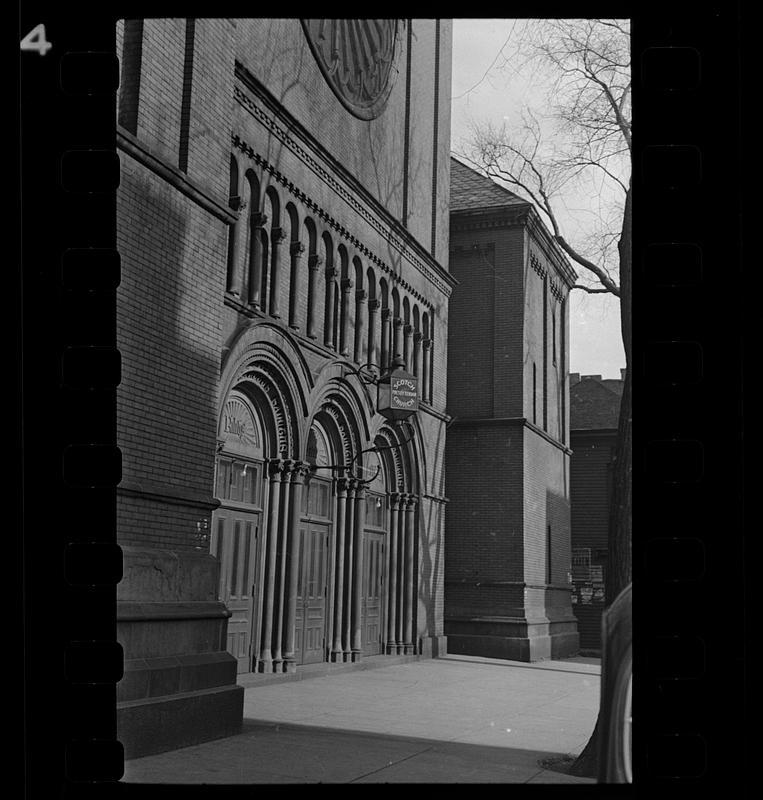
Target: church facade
{"type": "Point", "coordinates": [283, 230]}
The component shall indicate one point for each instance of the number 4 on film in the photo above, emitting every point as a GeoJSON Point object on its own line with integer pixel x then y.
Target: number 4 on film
{"type": "Point", "coordinates": [35, 40]}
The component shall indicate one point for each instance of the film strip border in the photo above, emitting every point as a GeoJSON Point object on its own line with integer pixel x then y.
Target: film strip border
{"type": "Point", "coordinates": [690, 298]}
{"type": "Point", "coordinates": [687, 372]}
{"type": "Point", "coordinates": [69, 369]}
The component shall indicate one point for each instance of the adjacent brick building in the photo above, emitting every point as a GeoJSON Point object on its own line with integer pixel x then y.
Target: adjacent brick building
{"type": "Point", "coordinates": [507, 545]}
{"type": "Point", "coordinates": [282, 220]}
{"type": "Point", "coordinates": [594, 414]}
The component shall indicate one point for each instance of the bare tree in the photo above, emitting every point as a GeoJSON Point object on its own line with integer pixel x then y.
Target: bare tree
{"type": "Point", "coordinates": [589, 145]}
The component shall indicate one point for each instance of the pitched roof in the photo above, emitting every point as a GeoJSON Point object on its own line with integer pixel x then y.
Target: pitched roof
{"type": "Point", "coordinates": [469, 190]}
{"type": "Point", "coordinates": [595, 404]}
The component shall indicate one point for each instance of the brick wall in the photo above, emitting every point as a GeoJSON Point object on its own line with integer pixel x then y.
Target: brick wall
{"type": "Point", "coordinates": [589, 486]}
{"type": "Point", "coordinates": [547, 503]}
{"type": "Point", "coordinates": [168, 333]}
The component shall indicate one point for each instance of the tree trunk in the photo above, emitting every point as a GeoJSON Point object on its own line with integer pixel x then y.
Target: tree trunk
{"type": "Point", "coordinates": [618, 570]}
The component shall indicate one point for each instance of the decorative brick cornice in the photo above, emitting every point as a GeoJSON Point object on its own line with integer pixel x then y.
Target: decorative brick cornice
{"type": "Point", "coordinates": [388, 228]}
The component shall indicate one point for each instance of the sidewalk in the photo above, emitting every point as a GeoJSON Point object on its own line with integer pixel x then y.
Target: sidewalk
{"type": "Point", "coordinates": [457, 719]}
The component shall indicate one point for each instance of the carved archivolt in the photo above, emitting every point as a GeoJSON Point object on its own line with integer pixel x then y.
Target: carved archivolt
{"type": "Point", "coordinates": [271, 385]}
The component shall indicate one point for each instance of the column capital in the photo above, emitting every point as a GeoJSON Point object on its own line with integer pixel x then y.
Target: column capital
{"type": "Point", "coordinates": [296, 249]}
{"type": "Point", "coordinates": [361, 295]}
{"type": "Point", "coordinates": [236, 202]}
{"type": "Point", "coordinates": [342, 486]}
{"type": "Point", "coordinates": [277, 235]}
{"type": "Point", "coordinates": [398, 322]}
{"type": "Point", "coordinates": [408, 329]}
{"type": "Point", "coordinates": [374, 303]}
{"type": "Point", "coordinates": [427, 344]}
{"type": "Point", "coordinates": [395, 499]}
{"type": "Point", "coordinates": [347, 284]}
{"type": "Point", "coordinates": [314, 261]}
{"type": "Point", "coordinates": [411, 501]}
{"type": "Point", "coordinates": [300, 471]}
{"type": "Point", "coordinates": [331, 272]}
{"type": "Point", "coordinates": [417, 336]}
{"type": "Point", "coordinates": [259, 220]}
{"type": "Point", "coordinates": [276, 467]}
{"type": "Point", "coordinates": [386, 313]}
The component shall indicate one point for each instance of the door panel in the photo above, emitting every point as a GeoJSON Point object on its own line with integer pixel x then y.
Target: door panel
{"type": "Point", "coordinates": [373, 585]}
{"type": "Point", "coordinates": [310, 623]}
{"type": "Point", "coordinates": [234, 543]}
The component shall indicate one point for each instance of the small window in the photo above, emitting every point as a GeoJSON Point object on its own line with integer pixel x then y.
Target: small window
{"type": "Point", "coordinates": [553, 337]}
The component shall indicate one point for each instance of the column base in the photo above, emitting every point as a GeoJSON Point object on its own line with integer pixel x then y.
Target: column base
{"type": "Point", "coordinates": [433, 646]}
{"type": "Point", "coordinates": [390, 649]}
{"type": "Point", "coordinates": [337, 657]}
{"type": "Point", "coordinates": [289, 665]}
{"type": "Point", "coordinates": [356, 656]}
{"type": "Point", "coordinates": [264, 665]}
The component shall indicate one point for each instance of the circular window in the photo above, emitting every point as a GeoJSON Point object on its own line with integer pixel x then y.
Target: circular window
{"type": "Point", "coordinates": [357, 58]}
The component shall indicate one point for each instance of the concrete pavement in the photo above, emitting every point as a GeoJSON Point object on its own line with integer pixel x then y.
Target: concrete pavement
{"type": "Point", "coordinates": [455, 719]}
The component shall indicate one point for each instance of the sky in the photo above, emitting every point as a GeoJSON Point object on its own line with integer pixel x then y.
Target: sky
{"type": "Point", "coordinates": [485, 88]}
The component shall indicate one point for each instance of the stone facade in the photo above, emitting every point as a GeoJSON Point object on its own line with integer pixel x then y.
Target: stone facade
{"type": "Point", "coordinates": [272, 242]}
{"type": "Point", "coordinates": [507, 455]}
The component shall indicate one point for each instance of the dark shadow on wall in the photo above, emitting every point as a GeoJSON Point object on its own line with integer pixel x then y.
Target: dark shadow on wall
{"type": "Point", "coordinates": [167, 409]}
{"type": "Point", "coordinates": [558, 519]}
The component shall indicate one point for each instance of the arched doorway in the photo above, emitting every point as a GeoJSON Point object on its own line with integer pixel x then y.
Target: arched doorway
{"type": "Point", "coordinates": [237, 522]}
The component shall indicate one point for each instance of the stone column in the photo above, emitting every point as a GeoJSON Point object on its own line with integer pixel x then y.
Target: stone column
{"type": "Point", "coordinates": [407, 345]}
{"type": "Point", "coordinates": [373, 309]}
{"type": "Point", "coordinates": [299, 473]}
{"type": "Point", "coordinates": [277, 237]}
{"type": "Point", "coordinates": [399, 628]}
{"type": "Point", "coordinates": [344, 316]}
{"type": "Point", "coordinates": [410, 573]}
{"type": "Point", "coordinates": [296, 250]}
{"type": "Point", "coordinates": [361, 297]}
{"type": "Point", "coordinates": [237, 246]}
{"type": "Point", "coordinates": [349, 583]}
{"type": "Point", "coordinates": [257, 221]}
{"type": "Point", "coordinates": [397, 340]}
{"type": "Point", "coordinates": [357, 593]}
{"type": "Point", "coordinates": [328, 327]}
{"type": "Point", "coordinates": [275, 468]}
{"type": "Point", "coordinates": [417, 337]}
{"type": "Point", "coordinates": [392, 577]}
{"type": "Point", "coordinates": [425, 378]}
{"type": "Point", "coordinates": [341, 492]}
{"type": "Point", "coordinates": [280, 583]}
{"type": "Point", "coordinates": [385, 355]}
{"type": "Point", "coordinates": [314, 263]}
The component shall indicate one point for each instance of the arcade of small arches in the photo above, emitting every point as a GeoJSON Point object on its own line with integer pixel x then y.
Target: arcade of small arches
{"type": "Point", "coordinates": [338, 301]}
{"type": "Point", "coordinates": [316, 532]}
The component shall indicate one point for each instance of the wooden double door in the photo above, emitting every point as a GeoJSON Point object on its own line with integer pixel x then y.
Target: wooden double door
{"type": "Point", "coordinates": [234, 541]}
{"type": "Point", "coordinates": [373, 592]}
{"type": "Point", "coordinates": [312, 591]}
